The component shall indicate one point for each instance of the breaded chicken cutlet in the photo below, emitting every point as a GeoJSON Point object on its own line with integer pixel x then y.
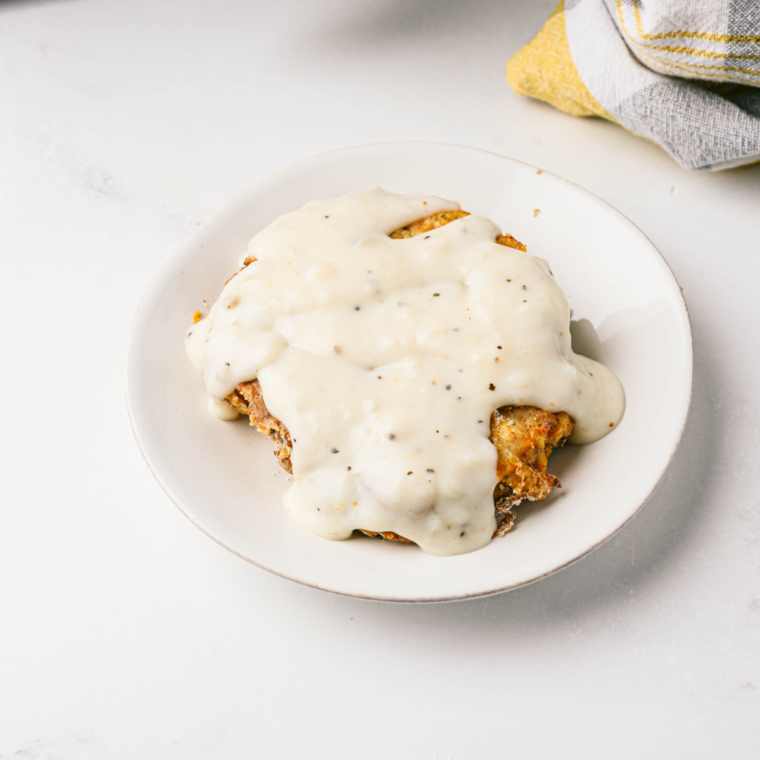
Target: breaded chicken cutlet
{"type": "Point", "coordinates": [524, 436]}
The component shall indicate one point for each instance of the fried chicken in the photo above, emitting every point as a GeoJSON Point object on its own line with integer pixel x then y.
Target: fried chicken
{"type": "Point", "coordinates": [524, 436]}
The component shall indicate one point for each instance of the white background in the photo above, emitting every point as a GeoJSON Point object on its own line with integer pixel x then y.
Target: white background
{"type": "Point", "coordinates": [127, 633]}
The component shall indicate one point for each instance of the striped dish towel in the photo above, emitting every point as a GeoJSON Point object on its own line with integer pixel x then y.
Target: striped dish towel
{"type": "Point", "coordinates": [684, 73]}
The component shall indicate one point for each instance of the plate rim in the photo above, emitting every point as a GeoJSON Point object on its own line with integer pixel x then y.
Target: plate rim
{"type": "Point", "coordinates": [131, 350]}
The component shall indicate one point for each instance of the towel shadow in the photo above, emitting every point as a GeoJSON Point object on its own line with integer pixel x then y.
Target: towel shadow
{"type": "Point", "coordinates": [31, 3]}
{"type": "Point", "coordinates": [377, 24]}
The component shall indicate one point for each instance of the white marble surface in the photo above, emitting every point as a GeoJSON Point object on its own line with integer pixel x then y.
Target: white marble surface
{"type": "Point", "coordinates": [125, 632]}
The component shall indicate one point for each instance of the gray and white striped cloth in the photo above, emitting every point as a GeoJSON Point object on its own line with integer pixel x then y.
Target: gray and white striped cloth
{"type": "Point", "coordinates": [684, 73]}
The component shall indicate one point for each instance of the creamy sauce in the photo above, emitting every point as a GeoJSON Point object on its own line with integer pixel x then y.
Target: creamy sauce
{"type": "Point", "coordinates": [222, 410]}
{"type": "Point", "coordinates": [385, 359]}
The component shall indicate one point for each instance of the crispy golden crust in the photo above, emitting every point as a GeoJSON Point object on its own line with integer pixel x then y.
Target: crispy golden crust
{"type": "Point", "coordinates": [248, 399]}
{"type": "Point", "coordinates": [434, 221]}
{"type": "Point", "coordinates": [524, 436]}
{"type": "Point", "coordinates": [387, 535]}
{"type": "Point", "coordinates": [511, 242]}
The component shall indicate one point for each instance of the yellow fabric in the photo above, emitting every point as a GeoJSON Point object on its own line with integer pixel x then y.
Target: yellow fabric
{"type": "Point", "coordinates": [544, 69]}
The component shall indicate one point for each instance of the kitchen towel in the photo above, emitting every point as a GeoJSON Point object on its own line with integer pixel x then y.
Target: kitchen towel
{"type": "Point", "coordinates": [684, 73]}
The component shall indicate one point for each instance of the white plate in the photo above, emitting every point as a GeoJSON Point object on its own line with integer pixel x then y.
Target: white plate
{"type": "Point", "coordinates": [221, 474]}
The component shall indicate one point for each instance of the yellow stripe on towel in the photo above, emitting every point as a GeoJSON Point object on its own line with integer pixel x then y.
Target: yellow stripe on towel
{"type": "Point", "coordinates": [544, 70]}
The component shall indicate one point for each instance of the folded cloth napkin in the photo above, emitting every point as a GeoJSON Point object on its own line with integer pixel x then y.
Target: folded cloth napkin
{"type": "Point", "coordinates": [684, 73]}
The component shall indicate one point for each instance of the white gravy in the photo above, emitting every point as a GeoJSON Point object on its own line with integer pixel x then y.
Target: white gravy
{"type": "Point", "coordinates": [385, 359]}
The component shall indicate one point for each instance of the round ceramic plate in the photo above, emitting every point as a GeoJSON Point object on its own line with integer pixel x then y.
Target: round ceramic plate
{"type": "Point", "coordinates": [629, 314]}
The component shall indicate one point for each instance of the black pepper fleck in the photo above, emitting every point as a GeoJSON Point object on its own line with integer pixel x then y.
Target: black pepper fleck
{"type": "Point", "coordinates": [435, 295]}
{"type": "Point", "coordinates": [409, 473]}
{"type": "Point", "coordinates": [491, 387]}
{"type": "Point", "coordinates": [226, 364]}
{"type": "Point", "coordinates": [392, 436]}
{"type": "Point", "coordinates": [461, 534]}
{"type": "Point", "coordinates": [499, 347]}
{"type": "Point", "coordinates": [334, 451]}
{"type": "Point", "coordinates": [427, 236]}
{"type": "Point", "coordinates": [356, 308]}
{"type": "Point", "coordinates": [448, 387]}
{"type": "Point", "coordinates": [525, 287]}
{"type": "Point", "coordinates": [429, 470]}
{"type": "Point", "coordinates": [327, 217]}
{"type": "Point", "coordinates": [349, 467]}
